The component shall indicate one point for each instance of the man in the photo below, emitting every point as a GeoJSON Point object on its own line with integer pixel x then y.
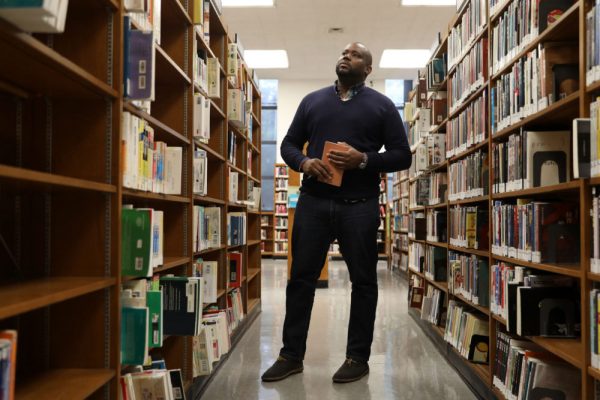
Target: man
{"type": "Point", "coordinates": [364, 120]}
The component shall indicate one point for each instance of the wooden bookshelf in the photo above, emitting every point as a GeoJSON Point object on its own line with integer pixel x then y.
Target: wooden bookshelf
{"type": "Point", "coordinates": [267, 228]}
{"type": "Point", "coordinates": [556, 115]}
{"type": "Point", "coordinates": [281, 230]}
{"type": "Point", "coordinates": [63, 192]}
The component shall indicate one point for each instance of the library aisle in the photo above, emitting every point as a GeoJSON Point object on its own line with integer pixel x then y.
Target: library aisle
{"type": "Point", "coordinates": [404, 363]}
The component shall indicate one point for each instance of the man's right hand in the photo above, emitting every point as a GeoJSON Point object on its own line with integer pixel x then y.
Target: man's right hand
{"type": "Point", "coordinates": [316, 167]}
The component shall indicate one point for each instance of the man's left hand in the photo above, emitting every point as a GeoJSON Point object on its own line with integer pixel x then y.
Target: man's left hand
{"type": "Point", "coordinates": [348, 159]}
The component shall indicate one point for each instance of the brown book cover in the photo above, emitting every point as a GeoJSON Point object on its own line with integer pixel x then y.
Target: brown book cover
{"type": "Point", "coordinates": [337, 173]}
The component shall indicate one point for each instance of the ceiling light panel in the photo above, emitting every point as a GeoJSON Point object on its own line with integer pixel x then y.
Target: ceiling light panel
{"type": "Point", "coordinates": [261, 59]}
{"type": "Point", "coordinates": [248, 3]}
{"type": "Point", "coordinates": [429, 3]}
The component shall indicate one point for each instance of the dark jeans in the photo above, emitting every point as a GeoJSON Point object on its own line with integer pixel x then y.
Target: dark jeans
{"type": "Point", "coordinates": [317, 223]}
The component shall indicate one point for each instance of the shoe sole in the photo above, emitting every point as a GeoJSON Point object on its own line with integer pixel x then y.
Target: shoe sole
{"type": "Point", "coordinates": [279, 378]}
{"type": "Point", "coordinates": [348, 380]}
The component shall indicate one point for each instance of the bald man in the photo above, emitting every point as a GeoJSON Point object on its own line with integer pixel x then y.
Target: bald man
{"type": "Point", "coordinates": [365, 121]}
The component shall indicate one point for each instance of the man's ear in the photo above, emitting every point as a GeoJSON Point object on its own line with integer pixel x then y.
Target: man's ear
{"type": "Point", "coordinates": [369, 69]}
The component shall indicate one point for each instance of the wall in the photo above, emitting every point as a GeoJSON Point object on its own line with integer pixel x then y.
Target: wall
{"type": "Point", "coordinates": [291, 93]}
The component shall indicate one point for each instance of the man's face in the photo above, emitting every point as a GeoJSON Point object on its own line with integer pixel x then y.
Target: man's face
{"type": "Point", "coordinates": [352, 62]}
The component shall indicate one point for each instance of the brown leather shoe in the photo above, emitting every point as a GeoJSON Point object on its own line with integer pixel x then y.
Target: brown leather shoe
{"type": "Point", "coordinates": [281, 369]}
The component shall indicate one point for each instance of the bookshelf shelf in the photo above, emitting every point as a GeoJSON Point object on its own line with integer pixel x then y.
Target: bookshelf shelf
{"type": "Point", "coordinates": [253, 303]}
{"type": "Point", "coordinates": [210, 151]}
{"type": "Point", "coordinates": [479, 308]}
{"type": "Point", "coordinates": [214, 106]}
{"type": "Point", "coordinates": [499, 319]}
{"type": "Point", "coordinates": [466, 102]}
{"type": "Point", "coordinates": [167, 70]}
{"type": "Point", "coordinates": [567, 269]}
{"type": "Point", "coordinates": [138, 194]}
{"type": "Point", "coordinates": [208, 200]}
{"type": "Point", "coordinates": [594, 373]}
{"type": "Point", "coordinates": [21, 178]}
{"type": "Point", "coordinates": [64, 384]}
{"type": "Point", "coordinates": [436, 206]}
{"type": "Point", "coordinates": [211, 250]}
{"type": "Point", "coordinates": [172, 262]}
{"type": "Point", "coordinates": [467, 50]}
{"type": "Point", "coordinates": [437, 244]}
{"type": "Point", "coordinates": [47, 71]}
{"type": "Point", "coordinates": [252, 273]}
{"type": "Point", "coordinates": [221, 293]}
{"type": "Point", "coordinates": [550, 116]}
{"type": "Point", "coordinates": [593, 277]}
{"type": "Point", "coordinates": [570, 350]}
{"type": "Point", "coordinates": [469, 151]}
{"type": "Point", "coordinates": [253, 242]}
{"type": "Point", "coordinates": [573, 185]}
{"type": "Point", "coordinates": [565, 28]}
{"type": "Point", "coordinates": [470, 200]}
{"type": "Point", "coordinates": [173, 10]}
{"type": "Point", "coordinates": [175, 137]}
{"type": "Point", "coordinates": [595, 181]}
{"type": "Point", "coordinates": [19, 298]}
{"type": "Point", "coordinates": [593, 87]}
{"type": "Point", "coordinates": [480, 253]}
{"type": "Point", "coordinates": [443, 286]}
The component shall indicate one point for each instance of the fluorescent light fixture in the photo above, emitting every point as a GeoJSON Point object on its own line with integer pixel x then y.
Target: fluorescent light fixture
{"type": "Point", "coordinates": [266, 58]}
{"type": "Point", "coordinates": [394, 58]}
{"type": "Point", "coordinates": [439, 3]}
{"type": "Point", "coordinates": [248, 3]}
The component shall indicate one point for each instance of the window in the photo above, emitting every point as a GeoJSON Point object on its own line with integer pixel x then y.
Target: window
{"type": "Point", "coordinates": [268, 90]}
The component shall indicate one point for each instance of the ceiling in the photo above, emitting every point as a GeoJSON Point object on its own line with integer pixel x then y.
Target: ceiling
{"type": "Point", "coordinates": [301, 27]}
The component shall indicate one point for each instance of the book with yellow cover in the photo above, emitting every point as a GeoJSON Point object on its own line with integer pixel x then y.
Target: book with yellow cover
{"type": "Point", "coordinates": [338, 173]}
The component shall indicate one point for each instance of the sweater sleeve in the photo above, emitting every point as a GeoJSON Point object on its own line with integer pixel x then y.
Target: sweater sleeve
{"type": "Point", "coordinates": [293, 142]}
{"type": "Point", "coordinates": [397, 155]}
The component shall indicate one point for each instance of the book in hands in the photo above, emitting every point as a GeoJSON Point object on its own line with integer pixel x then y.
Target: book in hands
{"type": "Point", "coordinates": [337, 173]}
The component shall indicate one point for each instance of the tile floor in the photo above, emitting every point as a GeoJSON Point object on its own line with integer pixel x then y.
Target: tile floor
{"type": "Point", "coordinates": [404, 363]}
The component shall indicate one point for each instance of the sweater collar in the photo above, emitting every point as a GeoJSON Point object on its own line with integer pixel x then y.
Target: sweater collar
{"type": "Point", "coordinates": [354, 90]}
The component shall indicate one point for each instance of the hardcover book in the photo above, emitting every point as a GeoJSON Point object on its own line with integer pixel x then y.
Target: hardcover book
{"type": "Point", "coordinates": [337, 173]}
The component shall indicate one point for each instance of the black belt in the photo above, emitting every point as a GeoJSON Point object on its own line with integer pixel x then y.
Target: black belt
{"type": "Point", "coordinates": [351, 201]}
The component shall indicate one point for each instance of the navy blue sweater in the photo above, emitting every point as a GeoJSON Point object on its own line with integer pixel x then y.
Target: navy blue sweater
{"type": "Point", "coordinates": [366, 122]}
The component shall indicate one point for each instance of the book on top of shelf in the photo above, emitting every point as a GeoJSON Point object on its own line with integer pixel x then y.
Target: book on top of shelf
{"type": "Point", "coordinates": [139, 60]}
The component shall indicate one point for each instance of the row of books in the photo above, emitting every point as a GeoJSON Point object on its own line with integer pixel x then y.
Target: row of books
{"type": "Point", "coordinates": [470, 75]}
{"type": "Point", "coordinates": [595, 215]}
{"type": "Point", "coordinates": [416, 256]}
{"type": "Point", "coordinates": [207, 72]}
{"type": "Point", "coordinates": [417, 225]}
{"type": "Point", "coordinates": [468, 276]}
{"type": "Point", "coordinates": [212, 343]}
{"type": "Point", "coordinates": [518, 26]}
{"type": "Point", "coordinates": [592, 51]}
{"type": "Point", "coordinates": [400, 241]}
{"type": "Point", "coordinates": [206, 227]}
{"type": "Point", "coordinates": [436, 226]}
{"type": "Point", "coordinates": [281, 197]}
{"type": "Point", "coordinates": [429, 152]}
{"type": "Point", "coordinates": [142, 237]}
{"type": "Point", "coordinates": [8, 363]}
{"type": "Point", "coordinates": [468, 177]}
{"type": "Point", "coordinates": [436, 71]}
{"type": "Point", "coordinates": [467, 332]}
{"type": "Point", "coordinates": [468, 128]}
{"type": "Point", "coordinates": [420, 125]}
{"type": "Point", "coordinates": [524, 370]}
{"type": "Point", "coordinates": [149, 165]}
{"type": "Point", "coordinates": [536, 80]}
{"type": "Point", "coordinates": [432, 306]}
{"type": "Point", "coordinates": [462, 35]}
{"type": "Point", "coordinates": [594, 140]}
{"type": "Point", "coordinates": [534, 303]}
{"type": "Point", "coordinates": [281, 171]}
{"type": "Point", "coordinates": [281, 209]}
{"type": "Point", "coordinates": [541, 232]}
{"type": "Point", "coordinates": [281, 235]}
{"type": "Point", "coordinates": [400, 206]}
{"type": "Point", "coordinates": [281, 222]}
{"type": "Point", "coordinates": [400, 222]}
{"type": "Point", "coordinates": [436, 262]}
{"type": "Point", "coordinates": [419, 192]}
{"type": "Point", "coordinates": [281, 247]}
{"type": "Point", "coordinates": [399, 261]}
{"type": "Point", "coordinates": [469, 226]}
{"type": "Point", "coordinates": [281, 183]}
{"type": "Point", "coordinates": [201, 18]}
{"type": "Point", "coordinates": [200, 172]}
